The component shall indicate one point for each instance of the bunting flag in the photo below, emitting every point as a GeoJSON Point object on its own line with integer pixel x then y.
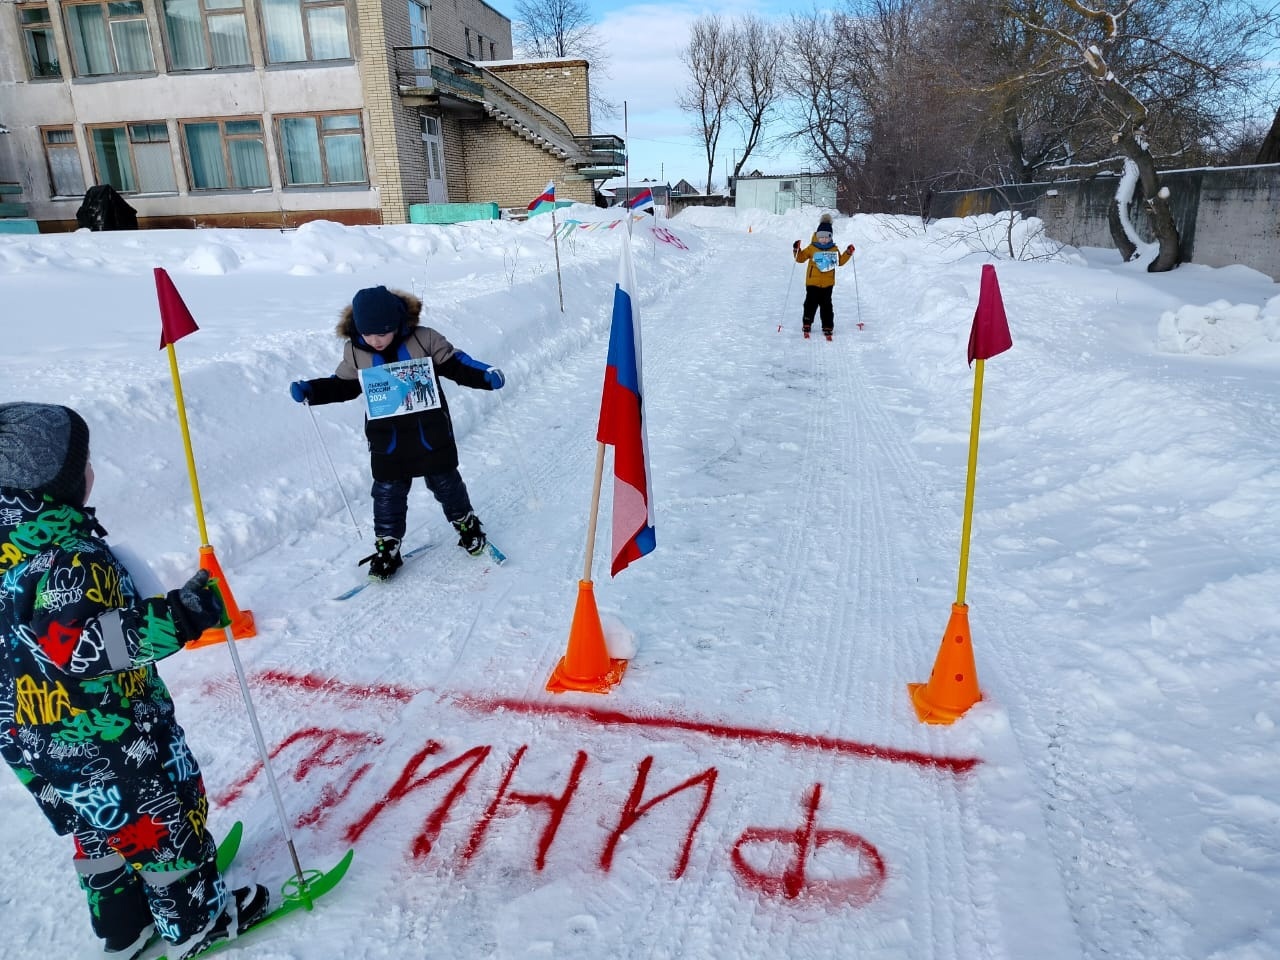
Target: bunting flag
{"type": "Point", "coordinates": [990, 332]}
{"type": "Point", "coordinates": [175, 319]}
{"type": "Point", "coordinates": [545, 199]}
{"type": "Point", "coordinates": [622, 425]}
{"type": "Point", "coordinates": [642, 200]}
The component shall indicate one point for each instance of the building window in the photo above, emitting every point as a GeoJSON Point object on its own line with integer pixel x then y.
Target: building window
{"type": "Point", "coordinates": [319, 150]}
{"type": "Point", "coordinates": [305, 30]}
{"type": "Point", "coordinates": [109, 38]}
{"type": "Point", "coordinates": [37, 38]}
{"type": "Point", "coordinates": [492, 51]}
{"type": "Point", "coordinates": [65, 174]}
{"type": "Point", "coordinates": [226, 154]}
{"type": "Point", "coordinates": [206, 33]}
{"type": "Point", "coordinates": [134, 158]}
{"type": "Point", "coordinates": [466, 32]}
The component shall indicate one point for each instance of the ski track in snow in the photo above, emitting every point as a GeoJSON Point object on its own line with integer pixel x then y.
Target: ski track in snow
{"type": "Point", "coordinates": [808, 500]}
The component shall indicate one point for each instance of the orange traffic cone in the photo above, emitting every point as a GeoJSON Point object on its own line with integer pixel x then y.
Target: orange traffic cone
{"type": "Point", "coordinates": [586, 665]}
{"type": "Point", "coordinates": [241, 620]}
{"type": "Point", "coordinates": [953, 685]}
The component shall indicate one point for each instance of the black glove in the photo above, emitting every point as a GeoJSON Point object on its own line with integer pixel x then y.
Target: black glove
{"type": "Point", "coordinates": [196, 607]}
{"type": "Point", "coordinates": [795, 247]}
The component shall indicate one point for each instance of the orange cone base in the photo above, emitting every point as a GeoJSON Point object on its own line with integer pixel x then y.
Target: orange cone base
{"type": "Point", "coordinates": [242, 627]}
{"type": "Point", "coordinates": [561, 682]}
{"type": "Point", "coordinates": [931, 712]}
{"type": "Point", "coordinates": [953, 685]}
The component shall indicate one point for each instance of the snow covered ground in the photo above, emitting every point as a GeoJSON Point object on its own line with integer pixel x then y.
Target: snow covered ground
{"type": "Point", "coordinates": [758, 784]}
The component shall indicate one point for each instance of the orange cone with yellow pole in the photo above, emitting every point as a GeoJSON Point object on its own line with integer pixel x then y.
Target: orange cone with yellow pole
{"type": "Point", "coordinates": [175, 323]}
{"type": "Point", "coordinates": [953, 685]}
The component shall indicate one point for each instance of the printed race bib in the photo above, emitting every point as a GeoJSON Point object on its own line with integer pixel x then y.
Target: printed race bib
{"type": "Point", "coordinates": [826, 260]}
{"type": "Point", "coordinates": [394, 389]}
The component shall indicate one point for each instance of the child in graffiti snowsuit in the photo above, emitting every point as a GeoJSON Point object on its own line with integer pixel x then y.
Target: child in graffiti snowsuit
{"type": "Point", "coordinates": [85, 721]}
{"type": "Point", "coordinates": [820, 276]}
{"type": "Point", "coordinates": [381, 326]}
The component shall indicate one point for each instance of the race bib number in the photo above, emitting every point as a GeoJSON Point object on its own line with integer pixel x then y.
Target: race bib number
{"type": "Point", "coordinates": [394, 389]}
{"type": "Point", "coordinates": [826, 260]}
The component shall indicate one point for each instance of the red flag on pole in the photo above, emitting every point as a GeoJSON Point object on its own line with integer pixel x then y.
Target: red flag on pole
{"type": "Point", "coordinates": [175, 319]}
{"type": "Point", "coordinates": [990, 332]}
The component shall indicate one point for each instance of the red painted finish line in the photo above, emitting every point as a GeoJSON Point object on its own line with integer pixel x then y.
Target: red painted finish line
{"type": "Point", "coordinates": [796, 741]}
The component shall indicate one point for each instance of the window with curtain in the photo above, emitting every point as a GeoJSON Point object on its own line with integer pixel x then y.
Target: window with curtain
{"type": "Point", "coordinates": [298, 30]}
{"type": "Point", "coordinates": [322, 150]}
{"type": "Point", "coordinates": [134, 158]}
{"type": "Point", "coordinates": [37, 40]}
{"type": "Point", "coordinates": [226, 154]}
{"type": "Point", "coordinates": [206, 34]}
{"type": "Point", "coordinates": [65, 175]}
{"type": "Point", "coordinates": [109, 38]}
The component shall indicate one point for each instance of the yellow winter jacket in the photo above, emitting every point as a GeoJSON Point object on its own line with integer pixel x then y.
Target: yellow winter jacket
{"type": "Point", "coordinates": [822, 262]}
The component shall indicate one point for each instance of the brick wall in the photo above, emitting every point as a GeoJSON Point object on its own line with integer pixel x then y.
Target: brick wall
{"type": "Point", "coordinates": [504, 169]}
{"type": "Point", "coordinates": [453, 22]}
{"type": "Point", "coordinates": [563, 86]}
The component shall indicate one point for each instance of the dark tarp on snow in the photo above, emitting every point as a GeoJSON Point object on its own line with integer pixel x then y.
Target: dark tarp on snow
{"type": "Point", "coordinates": [104, 209]}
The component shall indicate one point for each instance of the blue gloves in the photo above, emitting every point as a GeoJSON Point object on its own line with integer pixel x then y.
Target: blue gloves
{"type": "Point", "coordinates": [300, 390]}
{"type": "Point", "coordinates": [494, 378]}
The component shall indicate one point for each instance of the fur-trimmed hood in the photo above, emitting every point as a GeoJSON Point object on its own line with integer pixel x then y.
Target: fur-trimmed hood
{"type": "Point", "coordinates": [347, 324]}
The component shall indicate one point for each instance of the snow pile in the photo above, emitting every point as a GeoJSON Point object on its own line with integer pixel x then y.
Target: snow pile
{"type": "Point", "coordinates": [1219, 329]}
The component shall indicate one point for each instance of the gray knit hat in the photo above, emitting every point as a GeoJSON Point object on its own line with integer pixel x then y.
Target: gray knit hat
{"type": "Point", "coordinates": [44, 449]}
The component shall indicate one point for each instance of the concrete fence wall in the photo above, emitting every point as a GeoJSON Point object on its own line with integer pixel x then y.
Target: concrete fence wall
{"type": "Point", "coordinates": [1224, 215]}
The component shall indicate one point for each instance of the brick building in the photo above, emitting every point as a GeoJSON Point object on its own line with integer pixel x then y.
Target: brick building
{"type": "Point", "coordinates": [276, 112]}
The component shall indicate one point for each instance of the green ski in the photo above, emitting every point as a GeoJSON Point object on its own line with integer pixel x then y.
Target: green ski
{"type": "Point", "coordinates": [296, 896]}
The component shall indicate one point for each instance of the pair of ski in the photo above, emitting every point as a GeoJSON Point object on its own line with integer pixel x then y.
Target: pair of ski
{"type": "Point", "coordinates": [494, 554]}
{"type": "Point", "coordinates": [806, 335]}
{"type": "Point", "coordinates": [295, 896]}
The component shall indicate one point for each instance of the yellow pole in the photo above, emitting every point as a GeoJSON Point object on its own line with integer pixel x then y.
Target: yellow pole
{"type": "Point", "coordinates": [186, 443]}
{"type": "Point", "coordinates": [970, 481]}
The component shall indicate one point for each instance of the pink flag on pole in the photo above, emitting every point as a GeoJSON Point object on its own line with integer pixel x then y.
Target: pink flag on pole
{"type": "Point", "coordinates": [622, 425]}
{"type": "Point", "coordinates": [175, 319]}
{"type": "Point", "coordinates": [990, 332]}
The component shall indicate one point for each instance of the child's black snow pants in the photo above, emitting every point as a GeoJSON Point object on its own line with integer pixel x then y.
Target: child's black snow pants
{"type": "Point", "coordinates": [816, 298]}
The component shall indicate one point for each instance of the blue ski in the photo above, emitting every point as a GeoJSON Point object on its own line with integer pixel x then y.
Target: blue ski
{"type": "Point", "coordinates": [406, 557]}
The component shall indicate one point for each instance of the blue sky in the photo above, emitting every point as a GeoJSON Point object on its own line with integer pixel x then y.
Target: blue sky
{"type": "Point", "coordinates": [644, 42]}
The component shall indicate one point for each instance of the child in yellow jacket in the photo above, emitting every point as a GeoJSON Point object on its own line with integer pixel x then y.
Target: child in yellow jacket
{"type": "Point", "coordinates": [820, 277]}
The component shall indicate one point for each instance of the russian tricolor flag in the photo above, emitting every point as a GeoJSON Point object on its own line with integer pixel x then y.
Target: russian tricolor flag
{"type": "Point", "coordinates": [622, 425]}
{"type": "Point", "coordinates": [545, 199]}
{"type": "Point", "coordinates": [642, 199]}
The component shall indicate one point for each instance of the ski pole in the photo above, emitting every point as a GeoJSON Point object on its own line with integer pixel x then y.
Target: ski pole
{"type": "Point", "coordinates": [787, 299]}
{"type": "Point", "coordinates": [857, 297]}
{"type": "Point", "coordinates": [266, 762]}
{"type": "Point", "coordinates": [336, 478]}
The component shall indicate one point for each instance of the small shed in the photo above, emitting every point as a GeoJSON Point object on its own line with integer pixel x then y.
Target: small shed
{"type": "Point", "coordinates": [782, 192]}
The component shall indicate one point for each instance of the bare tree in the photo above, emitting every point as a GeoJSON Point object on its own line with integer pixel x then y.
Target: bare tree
{"type": "Point", "coordinates": [761, 50]}
{"type": "Point", "coordinates": [826, 110]}
{"type": "Point", "coordinates": [556, 28]}
{"type": "Point", "coordinates": [712, 59]}
{"type": "Point", "coordinates": [563, 28]}
{"type": "Point", "coordinates": [1157, 74]}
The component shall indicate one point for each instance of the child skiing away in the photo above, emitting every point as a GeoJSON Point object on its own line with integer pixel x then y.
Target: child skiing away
{"type": "Point", "coordinates": [86, 723]}
{"type": "Point", "coordinates": [381, 327]}
{"type": "Point", "coordinates": [820, 276]}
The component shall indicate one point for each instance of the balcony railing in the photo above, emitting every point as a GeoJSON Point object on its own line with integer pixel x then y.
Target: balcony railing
{"type": "Point", "coordinates": [428, 70]}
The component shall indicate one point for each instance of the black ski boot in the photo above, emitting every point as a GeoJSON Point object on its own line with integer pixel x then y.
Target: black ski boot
{"type": "Point", "coordinates": [385, 560]}
{"type": "Point", "coordinates": [471, 537]}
